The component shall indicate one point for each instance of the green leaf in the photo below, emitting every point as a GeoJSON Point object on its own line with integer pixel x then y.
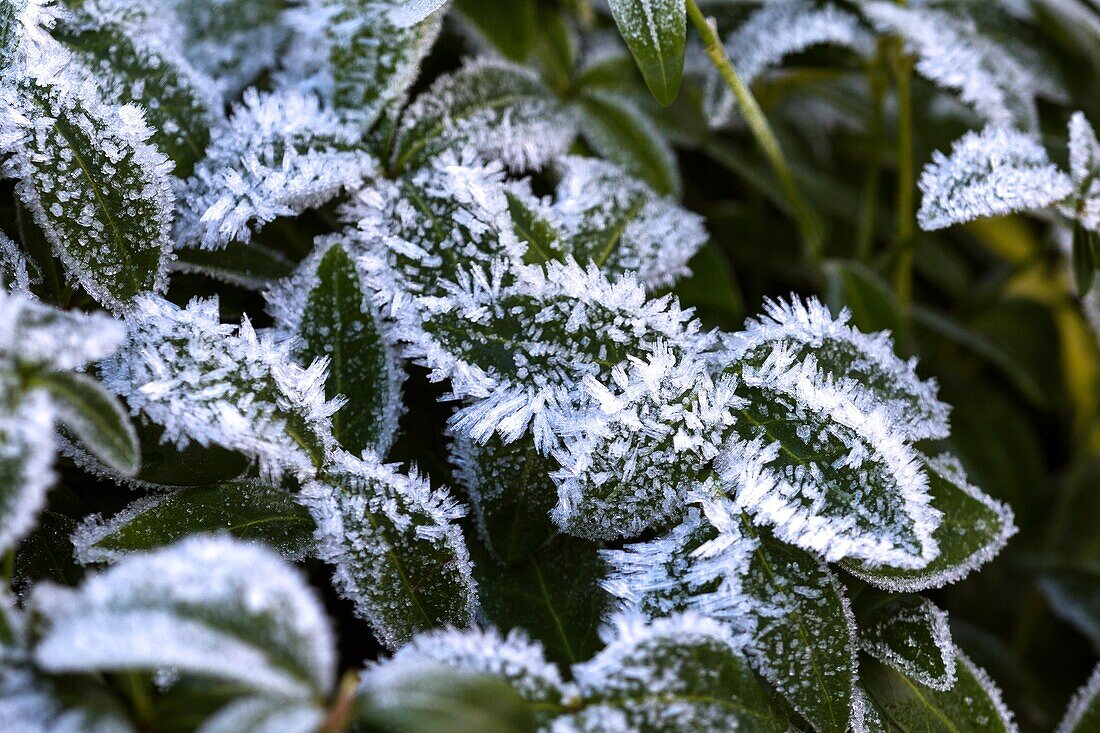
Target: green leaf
{"type": "Point", "coordinates": [399, 556]}
{"type": "Point", "coordinates": [620, 132]}
{"type": "Point", "coordinates": [163, 464]}
{"type": "Point", "coordinates": [1070, 589]}
{"type": "Point", "coordinates": [511, 491]}
{"type": "Point", "coordinates": [509, 26]}
{"type": "Point", "coordinates": [1084, 266]}
{"type": "Point", "coordinates": [96, 187]}
{"type": "Point", "coordinates": [46, 554]}
{"type": "Point", "coordinates": [803, 643]}
{"type": "Point", "coordinates": [712, 290]}
{"type": "Point", "coordinates": [495, 109]}
{"type": "Point", "coordinates": [554, 596]}
{"type": "Point", "coordinates": [854, 286]}
{"type": "Point", "coordinates": [95, 417]}
{"type": "Point", "coordinates": [972, 704]}
{"type": "Point", "coordinates": [245, 509]}
{"type": "Point", "coordinates": [974, 529]}
{"type": "Point", "coordinates": [910, 634]}
{"type": "Point", "coordinates": [656, 33]}
{"type": "Point", "coordinates": [544, 242]}
{"type": "Point", "coordinates": [208, 606]}
{"type": "Point", "coordinates": [179, 105]}
{"type": "Point", "coordinates": [683, 673]}
{"type": "Point", "coordinates": [326, 307]}
{"type": "Point", "coordinates": [437, 699]}
{"type": "Point", "coordinates": [247, 265]}
{"type": "Point", "coordinates": [1083, 713]}
{"type": "Point", "coordinates": [256, 713]}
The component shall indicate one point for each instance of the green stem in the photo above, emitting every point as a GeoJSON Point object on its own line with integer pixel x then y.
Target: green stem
{"type": "Point", "coordinates": [809, 226]}
{"type": "Point", "coordinates": [903, 70]}
{"type": "Point", "coordinates": [877, 79]}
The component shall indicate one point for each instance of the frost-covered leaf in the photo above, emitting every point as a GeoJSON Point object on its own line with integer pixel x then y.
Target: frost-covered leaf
{"type": "Point", "coordinates": [417, 233]}
{"type": "Point", "coordinates": [1084, 170]}
{"type": "Point", "coordinates": [995, 172]}
{"type": "Point", "coordinates": [658, 424]}
{"type": "Point", "coordinates": [86, 170]}
{"type": "Point", "coordinates": [912, 635]}
{"type": "Point", "coordinates": [214, 607]}
{"type": "Point", "coordinates": [278, 155]}
{"type": "Point", "coordinates": [248, 265]}
{"type": "Point", "coordinates": [554, 596]}
{"type": "Point", "coordinates": [264, 715]}
{"type": "Point", "coordinates": [412, 12]}
{"type": "Point", "coordinates": [233, 41]}
{"type": "Point", "coordinates": [247, 510]}
{"type": "Point", "coordinates": [807, 458]}
{"type": "Point", "coordinates": [398, 554]}
{"type": "Point", "coordinates": [361, 56]}
{"type": "Point", "coordinates": [519, 339]}
{"type": "Point", "coordinates": [808, 329]}
{"type": "Point", "coordinates": [656, 33]}
{"type": "Point", "coordinates": [325, 306]}
{"type": "Point", "coordinates": [974, 529]}
{"type": "Point", "coordinates": [512, 658]}
{"type": "Point", "coordinates": [498, 110]}
{"type": "Point", "coordinates": [681, 673]}
{"type": "Point", "coordinates": [215, 384]}
{"type": "Point", "coordinates": [531, 221]}
{"type": "Point", "coordinates": [41, 336]}
{"type": "Point", "coordinates": [1083, 713]}
{"type": "Point", "coordinates": [32, 703]}
{"type": "Point", "coordinates": [511, 492]}
{"type": "Point", "coordinates": [95, 417]}
{"type": "Point", "coordinates": [953, 53]}
{"type": "Point", "coordinates": [26, 464]}
{"type": "Point", "coordinates": [131, 67]}
{"type": "Point", "coordinates": [616, 129]}
{"type": "Point", "coordinates": [972, 704]}
{"type": "Point", "coordinates": [15, 270]}
{"type": "Point", "coordinates": [772, 33]}
{"type": "Point", "coordinates": [782, 605]}
{"type": "Point", "coordinates": [427, 700]}
{"type": "Point", "coordinates": [622, 225]}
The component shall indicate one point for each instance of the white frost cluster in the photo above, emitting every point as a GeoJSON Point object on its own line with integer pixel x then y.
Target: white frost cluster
{"type": "Point", "coordinates": [953, 53]}
{"type": "Point", "coordinates": [995, 172]}
{"type": "Point", "coordinates": [280, 154]}
{"type": "Point", "coordinates": [398, 553]}
{"type": "Point", "coordinates": [216, 384]}
{"type": "Point", "coordinates": [36, 334]}
{"type": "Point", "coordinates": [776, 31]}
{"type": "Point", "coordinates": [182, 607]}
{"type": "Point", "coordinates": [1084, 170]}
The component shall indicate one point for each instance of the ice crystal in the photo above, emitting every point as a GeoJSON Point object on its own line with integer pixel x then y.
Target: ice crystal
{"type": "Point", "coordinates": [698, 567]}
{"type": "Point", "coordinates": [207, 605]}
{"type": "Point", "coordinates": [618, 222]}
{"type": "Point", "coordinates": [418, 232]}
{"type": "Point", "coordinates": [278, 155]}
{"type": "Point", "coordinates": [35, 334]}
{"type": "Point", "coordinates": [846, 354]}
{"type": "Point", "coordinates": [863, 495]}
{"type": "Point", "coordinates": [513, 658]}
{"type": "Point", "coordinates": [655, 428]}
{"type": "Point", "coordinates": [774, 32]}
{"type": "Point", "coordinates": [1083, 711]}
{"type": "Point", "coordinates": [93, 183]}
{"type": "Point", "coordinates": [561, 323]}
{"type": "Point", "coordinates": [15, 270]}
{"type": "Point", "coordinates": [995, 172]}
{"type": "Point", "coordinates": [216, 384]}
{"type": "Point", "coordinates": [496, 109]}
{"type": "Point", "coordinates": [398, 554]}
{"type": "Point", "coordinates": [360, 56]}
{"type": "Point", "coordinates": [953, 53]}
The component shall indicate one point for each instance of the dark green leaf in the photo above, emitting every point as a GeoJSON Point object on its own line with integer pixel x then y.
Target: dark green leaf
{"type": "Point", "coordinates": [712, 290]}
{"type": "Point", "coordinates": [246, 264]}
{"type": "Point", "coordinates": [247, 510]}
{"type": "Point", "coordinates": [95, 417]}
{"type": "Point", "coordinates": [543, 240]}
{"type": "Point", "coordinates": [163, 464]}
{"type": "Point", "coordinates": [656, 33]}
{"type": "Point", "coordinates": [46, 554]}
{"type": "Point", "coordinates": [854, 286]}
{"type": "Point", "coordinates": [1084, 267]}
{"type": "Point", "coordinates": [509, 26]}
{"type": "Point", "coordinates": [972, 704]}
{"type": "Point", "coordinates": [910, 634]}
{"type": "Point", "coordinates": [555, 596]}
{"type": "Point", "coordinates": [440, 700]}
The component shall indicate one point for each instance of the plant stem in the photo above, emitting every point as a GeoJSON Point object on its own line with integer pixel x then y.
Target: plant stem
{"type": "Point", "coordinates": [341, 713]}
{"type": "Point", "coordinates": [809, 226]}
{"type": "Point", "coordinates": [903, 71]}
{"type": "Point", "coordinates": [877, 80]}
